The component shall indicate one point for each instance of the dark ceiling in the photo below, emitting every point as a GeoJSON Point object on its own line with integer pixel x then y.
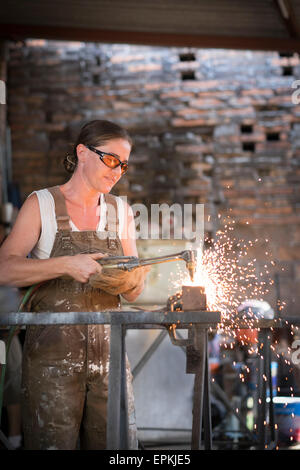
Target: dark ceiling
{"type": "Point", "coordinates": [236, 24]}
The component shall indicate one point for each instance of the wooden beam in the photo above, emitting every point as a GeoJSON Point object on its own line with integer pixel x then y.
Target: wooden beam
{"type": "Point", "coordinates": [287, 17]}
{"type": "Point", "coordinates": [20, 32]}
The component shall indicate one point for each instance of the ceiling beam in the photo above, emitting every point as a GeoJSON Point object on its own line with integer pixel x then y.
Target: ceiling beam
{"type": "Point", "coordinates": [287, 17]}
{"type": "Point", "coordinates": [20, 32]}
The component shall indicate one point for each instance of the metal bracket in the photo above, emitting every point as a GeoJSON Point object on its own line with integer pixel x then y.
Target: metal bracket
{"type": "Point", "coordinates": [174, 340]}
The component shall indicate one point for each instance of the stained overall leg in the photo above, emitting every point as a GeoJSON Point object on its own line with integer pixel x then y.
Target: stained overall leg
{"type": "Point", "coordinates": [95, 411]}
{"type": "Point", "coordinates": [53, 401]}
{"type": "Point", "coordinates": [53, 387]}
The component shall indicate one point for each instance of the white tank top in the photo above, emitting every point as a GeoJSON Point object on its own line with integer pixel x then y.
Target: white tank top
{"type": "Point", "coordinates": [42, 249]}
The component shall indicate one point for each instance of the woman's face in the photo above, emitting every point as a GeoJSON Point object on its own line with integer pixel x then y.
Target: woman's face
{"type": "Point", "coordinates": [95, 173]}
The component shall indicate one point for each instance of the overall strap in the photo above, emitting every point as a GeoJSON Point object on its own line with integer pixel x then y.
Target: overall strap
{"type": "Point", "coordinates": [112, 219]}
{"type": "Point", "coordinates": [61, 213]}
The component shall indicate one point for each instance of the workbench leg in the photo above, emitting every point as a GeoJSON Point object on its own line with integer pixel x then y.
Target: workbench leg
{"type": "Point", "coordinates": [273, 436]}
{"type": "Point", "coordinates": [207, 402]}
{"type": "Point", "coordinates": [116, 378]}
{"type": "Point", "coordinates": [198, 389]}
{"type": "Point", "coordinates": [262, 389]}
{"type": "Point", "coordinates": [124, 425]}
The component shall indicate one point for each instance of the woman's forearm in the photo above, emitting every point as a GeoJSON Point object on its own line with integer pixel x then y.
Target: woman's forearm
{"type": "Point", "coordinates": [21, 272]}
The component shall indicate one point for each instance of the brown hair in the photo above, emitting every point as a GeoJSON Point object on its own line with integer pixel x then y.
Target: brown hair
{"type": "Point", "coordinates": [95, 133]}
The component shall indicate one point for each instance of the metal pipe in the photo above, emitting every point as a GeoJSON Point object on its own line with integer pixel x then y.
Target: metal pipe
{"type": "Point", "coordinates": [182, 319]}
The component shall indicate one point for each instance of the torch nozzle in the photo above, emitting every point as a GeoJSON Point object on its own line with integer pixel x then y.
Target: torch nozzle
{"type": "Point", "coordinates": [191, 270]}
{"type": "Point", "coordinates": [191, 262]}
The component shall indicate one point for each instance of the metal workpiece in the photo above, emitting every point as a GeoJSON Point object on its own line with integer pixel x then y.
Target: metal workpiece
{"type": "Point", "coordinates": [190, 298]}
{"type": "Point", "coordinates": [193, 298]}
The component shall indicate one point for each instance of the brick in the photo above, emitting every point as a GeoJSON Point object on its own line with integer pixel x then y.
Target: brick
{"type": "Point", "coordinates": [66, 117]}
{"type": "Point", "coordinates": [285, 61]}
{"type": "Point", "coordinates": [267, 147]}
{"type": "Point", "coordinates": [253, 137]}
{"type": "Point", "coordinates": [274, 190]}
{"type": "Point", "coordinates": [123, 58]}
{"type": "Point", "coordinates": [240, 102]}
{"type": "Point", "coordinates": [207, 103]}
{"type": "Point", "coordinates": [241, 112]}
{"type": "Point", "coordinates": [285, 221]}
{"type": "Point", "coordinates": [247, 182]}
{"type": "Point", "coordinates": [227, 139]}
{"type": "Point", "coordinates": [236, 193]}
{"type": "Point", "coordinates": [235, 211]}
{"type": "Point", "coordinates": [222, 94]}
{"type": "Point", "coordinates": [225, 130]}
{"type": "Point", "coordinates": [274, 210]}
{"type": "Point", "coordinates": [201, 166]}
{"type": "Point", "coordinates": [206, 85]}
{"type": "Point", "coordinates": [229, 183]}
{"type": "Point", "coordinates": [297, 271]}
{"type": "Point", "coordinates": [286, 253]}
{"type": "Point", "coordinates": [184, 66]}
{"type": "Point", "coordinates": [158, 86]}
{"type": "Point", "coordinates": [187, 112]}
{"type": "Point", "coordinates": [176, 94]}
{"type": "Point", "coordinates": [281, 101]}
{"type": "Point", "coordinates": [197, 182]}
{"type": "Point", "coordinates": [202, 148]}
{"type": "Point", "coordinates": [91, 98]}
{"type": "Point", "coordinates": [193, 122]}
{"type": "Point", "coordinates": [193, 192]}
{"type": "Point", "coordinates": [144, 68]}
{"type": "Point", "coordinates": [266, 93]}
{"type": "Point", "coordinates": [244, 201]}
{"type": "Point", "coordinates": [35, 100]}
{"type": "Point", "coordinates": [119, 105]}
{"type": "Point", "coordinates": [273, 127]}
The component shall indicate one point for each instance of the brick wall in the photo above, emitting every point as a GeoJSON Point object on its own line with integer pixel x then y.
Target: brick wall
{"type": "Point", "coordinates": [210, 126]}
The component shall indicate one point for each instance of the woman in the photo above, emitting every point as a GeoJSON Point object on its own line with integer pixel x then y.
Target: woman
{"type": "Point", "coordinates": [65, 228]}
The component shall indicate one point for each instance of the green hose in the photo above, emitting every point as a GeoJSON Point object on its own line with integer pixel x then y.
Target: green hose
{"type": "Point", "coordinates": [12, 330]}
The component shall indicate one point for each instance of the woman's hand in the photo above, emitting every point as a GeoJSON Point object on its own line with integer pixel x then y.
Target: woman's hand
{"type": "Point", "coordinates": [81, 267]}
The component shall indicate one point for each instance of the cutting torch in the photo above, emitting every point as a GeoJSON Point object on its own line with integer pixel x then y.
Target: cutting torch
{"type": "Point", "coordinates": [128, 263]}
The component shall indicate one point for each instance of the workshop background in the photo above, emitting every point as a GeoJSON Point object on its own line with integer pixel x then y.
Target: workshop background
{"type": "Point", "coordinates": [212, 126]}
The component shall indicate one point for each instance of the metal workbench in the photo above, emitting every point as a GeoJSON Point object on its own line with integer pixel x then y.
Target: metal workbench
{"type": "Point", "coordinates": [198, 323]}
